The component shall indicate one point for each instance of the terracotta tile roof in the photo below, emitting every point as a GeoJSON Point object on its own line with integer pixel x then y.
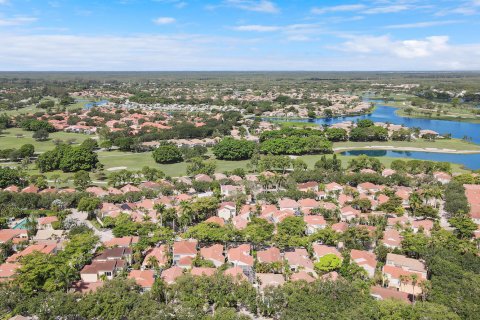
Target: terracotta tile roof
{"type": "Point", "coordinates": [202, 271]}
{"type": "Point", "coordinates": [269, 255]}
{"type": "Point", "coordinates": [185, 247]}
{"type": "Point", "coordinates": [171, 274]}
{"type": "Point", "coordinates": [240, 254]}
{"type": "Point", "coordinates": [144, 278]}
{"type": "Point", "coordinates": [302, 275]}
{"type": "Point", "coordinates": [236, 273]}
{"type": "Point", "coordinates": [160, 253]}
{"type": "Point", "coordinates": [389, 293]}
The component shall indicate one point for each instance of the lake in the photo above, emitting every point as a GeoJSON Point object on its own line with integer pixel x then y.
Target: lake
{"type": "Point", "coordinates": [471, 161]}
{"type": "Point", "coordinates": [383, 113]}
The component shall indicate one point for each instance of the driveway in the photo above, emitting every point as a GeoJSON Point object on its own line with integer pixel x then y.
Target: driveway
{"type": "Point", "coordinates": [103, 234]}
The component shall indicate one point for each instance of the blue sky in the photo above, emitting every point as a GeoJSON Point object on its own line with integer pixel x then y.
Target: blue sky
{"type": "Point", "coordinates": [239, 35]}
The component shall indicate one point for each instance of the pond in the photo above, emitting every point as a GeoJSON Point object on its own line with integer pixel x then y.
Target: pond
{"type": "Point", "coordinates": [383, 113]}
{"type": "Point", "coordinates": [471, 161]}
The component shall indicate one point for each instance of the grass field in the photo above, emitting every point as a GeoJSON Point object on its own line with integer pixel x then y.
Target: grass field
{"type": "Point", "coordinates": [453, 144]}
{"type": "Point", "coordinates": [8, 139]}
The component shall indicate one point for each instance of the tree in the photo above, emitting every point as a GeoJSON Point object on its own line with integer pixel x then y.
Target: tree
{"type": "Point", "coordinates": [89, 205]}
{"type": "Point", "coordinates": [327, 263]}
{"type": "Point", "coordinates": [167, 153]}
{"type": "Point", "coordinates": [198, 166]}
{"type": "Point", "coordinates": [78, 158]}
{"type": "Point", "coordinates": [464, 227]}
{"type": "Point", "coordinates": [232, 149]}
{"type": "Point", "coordinates": [89, 144]}
{"type": "Point", "coordinates": [81, 180]}
{"type": "Point", "coordinates": [27, 150]}
{"type": "Point", "coordinates": [326, 236]}
{"type": "Point", "coordinates": [9, 176]}
{"type": "Point", "coordinates": [426, 212]}
{"type": "Point", "coordinates": [40, 135]}
{"type": "Point", "coordinates": [291, 232]}
{"type": "Point", "coordinates": [258, 231]}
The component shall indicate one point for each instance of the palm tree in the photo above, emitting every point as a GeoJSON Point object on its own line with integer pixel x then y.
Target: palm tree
{"type": "Point", "coordinates": [160, 209]}
{"type": "Point", "coordinates": [152, 262]}
{"type": "Point", "coordinates": [414, 278]}
{"type": "Point", "coordinates": [403, 280]}
{"type": "Point", "coordinates": [64, 276]}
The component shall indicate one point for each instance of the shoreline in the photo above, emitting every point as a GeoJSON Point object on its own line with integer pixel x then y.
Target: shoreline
{"type": "Point", "coordinates": [432, 150]}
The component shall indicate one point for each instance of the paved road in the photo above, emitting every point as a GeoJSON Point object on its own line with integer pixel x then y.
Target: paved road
{"type": "Point", "coordinates": [104, 234]}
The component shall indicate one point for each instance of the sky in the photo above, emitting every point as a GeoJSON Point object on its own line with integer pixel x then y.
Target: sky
{"type": "Point", "coordinates": [239, 35]}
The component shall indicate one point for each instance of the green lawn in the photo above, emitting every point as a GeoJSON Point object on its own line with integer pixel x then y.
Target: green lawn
{"type": "Point", "coordinates": [386, 161]}
{"type": "Point", "coordinates": [9, 140]}
{"type": "Point", "coordinates": [136, 161]}
{"type": "Point", "coordinates": [453, 144]}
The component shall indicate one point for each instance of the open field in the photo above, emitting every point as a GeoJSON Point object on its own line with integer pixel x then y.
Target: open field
{"type": "Point", "coordinates": [450, 144]}
{"type": "Point", "coordinates": [8, 139]}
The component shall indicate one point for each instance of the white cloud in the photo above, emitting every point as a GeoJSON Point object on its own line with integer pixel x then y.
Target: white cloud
{"type": "Point", "coordinates": [254, 5]}
{"type": "Point", "coordinates": [409, 49]}
{"type": "Point", "coordinates": [16, 21]}
{"type": "Point", "coordinates": [424, 24]}
{"type": "Point", "coordinates": [386, 9]}
{"type": "Point", "coordinates": [3, 2]}
{"type": "Point", "coordinates": [341, 8]}
{"type": "Point", "coordinates": [164, 20]}
{"type": "Point", "coordinates": [257, 28]}
{"type": "Point", "coordinates": [199, 52]}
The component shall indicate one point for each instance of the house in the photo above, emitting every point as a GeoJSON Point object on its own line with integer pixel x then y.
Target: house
{"type": "Point", "coordinates": [442, 177]}
{"type": "Point", "coordinates": [8, 271]}
{"type": "Point", "coordinates": [314, 223]}
{"type": "Point", "coordinates": [368, 187]}
{"type": "Point", "coordinates": [270, 255]}
{"type": "Point", "coordinates": [216, 220]}
{"type": "Point", "coordinates": [117, 253]}
{"type": "Point", "coordinates": [45, 223]}
{"type": "Point", "coordinates": [472, 192]}
{"type": "Point", "coordinates": [366, 260]}
{"type": "Point", "coordinates": [184, 248]}
{"type": "Point", "coordinates": [320, 250]}
{"type": "Point", "coordinates": [240, 257]}
{"type": "Point", "coordinates": [100, 270]}
{"type": "Point", "coordinates": [227, 210]}
{"type": "Point", "coordinates": [392, 238]}
{"type": "Point", "coordinates": [97, 191]}
{"type": "Point", "coordinates": [236, 273]}
{"type": "Point", "coordinates": [308, 186]}
{"type": "Point", "coordinates": [381, 293]}
{"type": "Point", "coordinates": [42, 248]}
{"type": "Point", "coordinates": [424, 226]}
{"type": "Point", "coordinates": [308, 203]}
{"type": "Point", "coordinates": [203, 178]}
{"type": "Point", "coordinates": [340, 227]}
{"type": "Point", "coordinates": [333, 189]}
{"type": "Point", "coordinates": [230, 190]}
{"type": "Point", "coordinates": [158, 254]}
{"type": "Point", "coordinates": [403, 280]}
{"type": "Point", "coordinates": [171, 274]}
{"type": "Point", "coordinates": [408, 264]}
{"type": "Point", "coordinates": [214, 254]}
{"type": "Point", "coordinates": [144, 278]}
{"type": "Point", "coordinates": [288, 204]}
{"type": "Point", "coordinates": [269, 280]}
{"type": "Point", "coordinates": [14, 235]}
{"type": "Point", "coordinates": [349, 213]}
{"type": "Point", "coordinates": [202, 271]}
{"type": "Point", "coordinates": [123, 242]}
{"type": "Point", "coordinates": [302, 276]}
{"type": "Point", "coordinates": [299, 260]}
